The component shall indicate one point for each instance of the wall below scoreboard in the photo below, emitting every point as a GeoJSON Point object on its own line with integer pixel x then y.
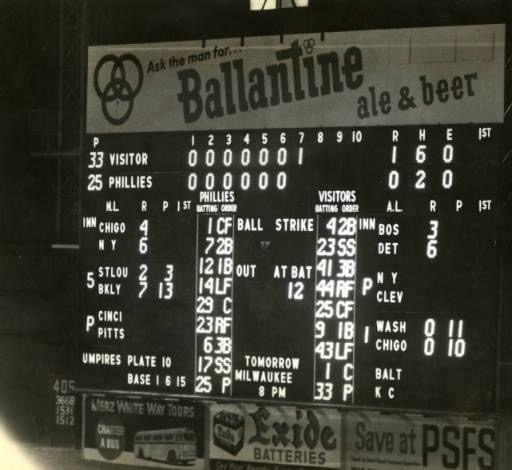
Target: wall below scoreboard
{"type": "Point", "coordinates": [247, 436]}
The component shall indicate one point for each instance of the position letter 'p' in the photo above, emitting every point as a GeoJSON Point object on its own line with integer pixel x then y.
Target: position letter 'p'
{"type": "Point", "coordinates": [89, 322]}
{"type": "Point", "coordinates": [226, 383]}
{"type": "Point", "coordinates": [367, 285]}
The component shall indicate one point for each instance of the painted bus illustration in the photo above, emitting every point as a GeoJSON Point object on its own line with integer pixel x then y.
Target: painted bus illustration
{"type": "Point", "coordinates": [174, 446]}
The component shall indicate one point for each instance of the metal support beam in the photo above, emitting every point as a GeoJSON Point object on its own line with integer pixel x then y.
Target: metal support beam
{"type": "Point", "coordinates": [57, 132]}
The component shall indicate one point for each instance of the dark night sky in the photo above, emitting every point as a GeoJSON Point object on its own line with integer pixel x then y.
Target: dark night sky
{"type": "Point", "coordinates": [28, 80]}
{"type": "Point", "coordinates": [28, 39]}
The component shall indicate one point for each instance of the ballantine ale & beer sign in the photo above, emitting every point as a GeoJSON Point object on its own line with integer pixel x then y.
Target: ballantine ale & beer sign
{"type": "Point", "coordinates": [295, 76]}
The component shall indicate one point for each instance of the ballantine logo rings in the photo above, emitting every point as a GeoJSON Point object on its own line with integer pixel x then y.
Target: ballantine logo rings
{"type": "Point", "coordinates": [309, 45]}
{"type": "Point", "coordinates": [121, 87]}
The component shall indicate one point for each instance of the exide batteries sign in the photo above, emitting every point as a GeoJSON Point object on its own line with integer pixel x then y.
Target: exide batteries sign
{"type": "Point", "coordinates": [274, 437]}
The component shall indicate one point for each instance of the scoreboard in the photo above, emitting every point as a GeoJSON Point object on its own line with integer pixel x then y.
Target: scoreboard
{"type": "Point", "coordinates": [306, 219]}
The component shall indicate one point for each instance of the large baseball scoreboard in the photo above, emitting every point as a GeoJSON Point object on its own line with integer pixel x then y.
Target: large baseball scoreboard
{"type": "Point", "coordinates": [307, 219]}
